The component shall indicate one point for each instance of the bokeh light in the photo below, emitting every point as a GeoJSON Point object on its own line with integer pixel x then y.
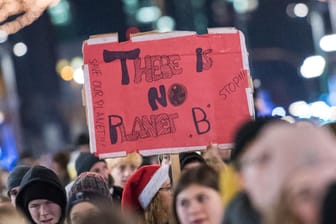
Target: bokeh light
{"type": "Point", "coordinates": [20, 49]}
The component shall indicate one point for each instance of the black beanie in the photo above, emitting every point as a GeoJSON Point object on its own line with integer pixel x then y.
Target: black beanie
{"type": "Point", "coordinates": [89, 187]}
{"type": "Point", "coordinates": [190, 157]}
{"type": "Point", "coordinates": [85, 161]}
{"type": "Point", "coordinates": [15, 177]}
{"type": "Point", "coordinates": [40, 183]}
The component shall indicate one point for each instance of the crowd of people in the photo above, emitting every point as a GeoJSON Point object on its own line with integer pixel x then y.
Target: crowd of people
{"type": "Point", "coordinates": [276, 172]}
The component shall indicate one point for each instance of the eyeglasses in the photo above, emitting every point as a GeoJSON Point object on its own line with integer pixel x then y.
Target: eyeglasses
{"type": "Point", "coordinates": [165, 188]}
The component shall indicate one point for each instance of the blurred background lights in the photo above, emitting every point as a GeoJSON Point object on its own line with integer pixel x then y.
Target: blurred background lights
{"type": "Point", "coordinates": [279, 111]}
{"type": "Point", "coordinates": [60, 13]}
{"type": "Point", "coordinates": [328, 43]}
{"type": "Point", "coordinates": [67, 73]}
{"type": "Point", "coordinates": [313, 66]}
{"type": "Point", "coordinates": [320, 109]}
{"type": "Point", "coordinates": [61, 64]}
{"type": "Point", "coordinates": [79, 76]}
{"type": "Point", "coordinates": [300, 109]}
{"type": "Point", "coordinates": [165, 24]}
{"type": "Point", "coordinates": [290, 10]}
{"type": "Point", "coordinates": [256, 83]}
{"type": "Point", "coordinates": [76, 62]}
{"type": "Point", "coordinates": [244, 6]}
{"type": "Point", "coordinates": [3, 36]}
{"type": "Point", "coordinates": [20, 49]}
{"type": "Point", "coordinates": [301, 10]}
{"type": "Point", "coordinates": [333, 113]}
{"type": "Point", "coordinates": [148, 14]}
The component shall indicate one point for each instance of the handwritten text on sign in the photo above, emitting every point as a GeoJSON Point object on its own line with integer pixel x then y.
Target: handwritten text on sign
{"type": "Point", "coordinates": [167, 93]}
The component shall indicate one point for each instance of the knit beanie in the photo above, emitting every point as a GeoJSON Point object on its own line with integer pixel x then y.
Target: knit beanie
{"type": "Point", "coordinates": [15, 177]}
{"type": "Point", "coordinates": [85, 161]}
{"type": "Point", "coordinates": [89, 187]}
{"type": "Point", "coordinates": [190, 157]}
{"type": "Point", "coordinates": [142, 186]}
{"type": "Point", "coordinates": [40, 183]}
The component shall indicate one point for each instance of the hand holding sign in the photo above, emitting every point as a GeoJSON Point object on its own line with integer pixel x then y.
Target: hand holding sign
{"type": "Point", "coordinates": [31, 9]}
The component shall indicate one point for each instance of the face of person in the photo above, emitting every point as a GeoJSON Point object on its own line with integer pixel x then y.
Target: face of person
{"type": "Point", "coordinates": [166, 194]}
{"type": "Point", "coordinates": [44, 211]}
{"type": "Point", "coordinates": [199, 204]}
{"type": "Point", "coordinates": [12, 194]}
{"type": "Point", "coordinates": [122, 172]}
{"type": "Point", "coordinates": [80, 210]}
{"type": "Point", "coordinates": [305, 190]}
{"type": "Point", "coordinates": [278, 150]}
{"type": "Point", "coordinates": [100, 168]}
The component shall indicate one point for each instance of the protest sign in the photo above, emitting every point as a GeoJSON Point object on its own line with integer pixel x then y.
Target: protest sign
{"type": "Point", "coordinates": [165, 92]}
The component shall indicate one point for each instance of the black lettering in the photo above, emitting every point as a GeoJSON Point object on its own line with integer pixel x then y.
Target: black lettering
{"type": "Point", "coordinates": [199, 61]}
{"type": "Point", "coordinates": [110, 56]}
{"type": "Point", "coordinates": [113, 127]}
{"type": "Point", "coordinates": [202, 119]}
{"type": "Point", "coordinates": [153, 97]}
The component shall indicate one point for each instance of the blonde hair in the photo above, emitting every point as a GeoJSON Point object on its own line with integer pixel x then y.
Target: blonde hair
{"type": "Point", "coordinates": [133, 157]}
{"type": "Point", "coordinates": [155, 213]}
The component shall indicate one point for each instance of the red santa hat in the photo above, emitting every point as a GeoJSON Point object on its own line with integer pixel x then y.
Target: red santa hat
{"type": "Point", "coordinates": [143, 185]}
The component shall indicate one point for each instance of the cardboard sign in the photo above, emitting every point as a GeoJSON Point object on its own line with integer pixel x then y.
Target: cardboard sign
{"type": "Point", "coordinates": [165, 93]}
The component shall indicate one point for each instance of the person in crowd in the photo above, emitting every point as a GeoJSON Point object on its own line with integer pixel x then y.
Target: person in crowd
{"type": "Point", "coordinates": [81, 144]}
{"type": "Point", "coordinates": [41, 197]}
{"type": "Point", "coordinates": [59, 165]}
{"type": "Point", "coordinates": [190, 160]}
{"type": "Point", "coordinates": [105, 216]}
{"type": "Point", "coordinates": [277, 152]}
{"type": "Point", "coordinates": [9, 215]}
{"type": "Point", "coordinates": [197, 198]}
{"type": "Point", "coordinates": [87, 162]}
{"type": "Point", "coordinates": [13, 181]}
{"type": "Point", "coordinates": [122, 168]}
{"type": "Point", "coordinates": [239, 209]}
{"type": "Point", "coordinates": [301, 196]}
{"type": "Point", "coordinates": [88, 195]}
{"type": "Point", "coordinates": [147, 194]}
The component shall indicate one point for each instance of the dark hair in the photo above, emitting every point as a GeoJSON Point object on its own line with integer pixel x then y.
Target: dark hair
{"type": "Point", "coordinates": [202, 175]}
{"type": "Point", "coordinates": [328, 215]}
{"type": "Point", "coordinates": [246, 134]}
{"type": "Point", "coordinates": [190, 157]}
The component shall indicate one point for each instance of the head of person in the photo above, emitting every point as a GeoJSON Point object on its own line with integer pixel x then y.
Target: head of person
{"type": "Point", "coordinates": [122, 168]}
{"type": "Point", "coordinates": [87, 162]}
{"type": "Point", "coordinates": [245, 136]}
{"type": "Point", "coordinates": [13, 181]}
{"type": "Point", "coordinates": [302, 195]}
{"type": "Point", "coordinates": [278, 151]}
{"type": "Point", "coordinates": [190, 160]}
{"type": "Point", "coordinates": [41, 197]}
{"type": "Point", "coordinates": [197, 198]}
{"type": "Point", "coordinates": [88, 195]}
{"type": "Point", "coordinates": [82, 142]}
{"type": "Point", "coordinates": [147, 193]}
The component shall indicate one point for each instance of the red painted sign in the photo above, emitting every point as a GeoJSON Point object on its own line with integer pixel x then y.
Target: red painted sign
{"type": "Point", "coordinates": [165, 93]}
